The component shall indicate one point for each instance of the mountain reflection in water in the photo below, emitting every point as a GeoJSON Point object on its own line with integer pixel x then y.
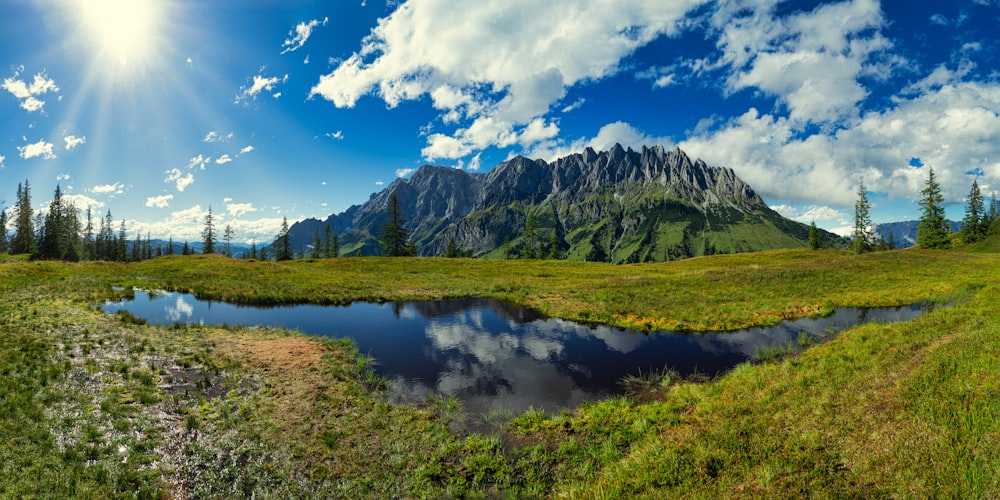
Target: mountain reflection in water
{"type": "Point", "coordinates": [493, 355]}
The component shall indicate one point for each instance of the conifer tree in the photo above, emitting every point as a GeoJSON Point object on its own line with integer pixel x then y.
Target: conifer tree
{"type": "Point", "coordinates": [88, 237]}
{"type": "Point", "coordinates": [333, 249]}
{"type": "Point", "coordinates": [554, 247]}
{"type": "Point", "coordinates": [530, 228]}
{"type": "Point", "coordinates": [317, 246]}
{"type": "Point", "coordinates": [283, 243]}
{"type": "Point", "coordinates": [862, 221]}
{"type": "Point", "coordinates": [4, 247]}
{"type": "Point", "coordinates": [933, 229]}
{"type": "Point", "coordinates": [227, 235]}
{"type": "Point", "coordinates": [208, 234]}
{"type": "Point", "coordinates": [814, 241]}
{"type": "Point", "coordinates": [394, 236]}
{"type": "Point", "coordinates": [170, 245]}
{"type": "Point", "coordinates": [452, 250]}
{"type": "Point", "coordinates": [122, 242]}
{"type": "Point", "coordinates": [974, 224]}
{"type": "Point", "coordinates": [186, 250]}
{"type": "Point", "coordinates": [24, 229]}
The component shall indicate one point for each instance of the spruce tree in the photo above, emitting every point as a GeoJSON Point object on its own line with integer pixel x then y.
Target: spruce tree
{"type": "Point", "coordinates": [554, 247]}
{"type": "Point", "coordinates": [974, 224]}
{"type": "Point", "coordinates": [88, 237]}
{"type": "Point", "coordinates": [227, 235]}
{"type": "Point", "coordinates": [862, 221]}
{"type": "Point", "coordinates": [208, 234]}
{"type": "Point", "coordinates": [334, 247]}
{"type": "Point", "coordinates": [283, 243]}
{"type": "Point", "coordinates": [933, 229]}
{"type": "Point", "coordinates": [394, 236]}
{"type": "Point", "coordinates": [451, 251]}
{"type": "Point", "coordinates": [3, 230]}
{"type": "Point", "coordinates": [24, 229]}
{"type": "Point", "coordinates": [530, 228]}
{"type": "Point", "coordinates": [814, 241]}
{"type": "Point", "coordinates": [317, 246]}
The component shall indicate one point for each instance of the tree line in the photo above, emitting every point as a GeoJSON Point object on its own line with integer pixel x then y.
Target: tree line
{"type": "Point", "coordinates": [933, 230]}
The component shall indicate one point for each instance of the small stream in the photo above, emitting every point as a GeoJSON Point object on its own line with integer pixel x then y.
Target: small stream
{"type": "Point", "coordinates": [494, 356]}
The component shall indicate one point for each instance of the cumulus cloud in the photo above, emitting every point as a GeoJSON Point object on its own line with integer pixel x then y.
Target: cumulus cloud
{"type": "Point", "coordinates": [82, 201]}
{"type": "Point", "coordinates": [781, 56]}
{"type": "Point", "coordinates": [298, 36]}
{"type": "Point", "coordinates": [214, 136]}
{"type": "Point", "coordinates": [496, 67]}
{"type": "Point", "coordinates": [609, 135]}
{"type": "Point", "coordinates": [181, 180]}
{"type": "Point", "coordinates": [28, 93]}
{"type": "Point", "coordinates": [222, 160]}
{"type": "Point", "coordinates": [105, 189]}
{"type": "Point", "coordinates": [199, 162]}
{"type": "Point", "coordinates": [2, 158]}
{"type": "Point", "coordinates": [238, 209]}
{"type": "Point", "coordinates": [403, 172]}
{"type": "Point", "coordinates": [39, 149]}
{"type": "Point", "coordinates": [246, 150]}
{"type": "Point", "coordinates": [260, 83]}
{"type": "Point", "coordinates": [162, 201]}
{"type": "Point", "coordinates": [73, 141]}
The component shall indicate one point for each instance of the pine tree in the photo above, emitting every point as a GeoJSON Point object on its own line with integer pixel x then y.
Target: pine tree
{"type": "Point", "coordinates": [530, 228]}
{"type": "Point", "coordinates": [317, 246]}
{"type": "Point", "coordinates": [862, 221]}
{"type": "Point", "coordinates": [394, 236]}
{"type": "Point", "coordinates": [170, 245]}
{"type": "Point", "coordinates": [89, 252]}
{"type": "Point", "coordinates": [814, 241]}
{"type": "Point", "coordinates": [122, 241]}
{"type": "Point", "coordinates": [933, 229]}
{"type": "Point", "coordinates": [452, 250]}
{"type": "Point", "coordinates": [186, 250]}
{"type": "Point", "coordinates": [554, 247]}
{"type": "Point", "coordinates": [208, 234]}
{"type": "Point", "coordinates": [974, 224]}
{"type": "Point", "coordinates": [228, 234]}
{"type": "Point", "coordinates": [892, 242]}
{"type": "Point", "coordinates": [334, 247]}
{"type": "Point", "coordinates": [24, 228]}
{"type": "Point", "coordinates": [4, 246]}
{"type": "Point", "coordinates": [283, 243]}
{"type": "Point", "coordinates": [328, 242]}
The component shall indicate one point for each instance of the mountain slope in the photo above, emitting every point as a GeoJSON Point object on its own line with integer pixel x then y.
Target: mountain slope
{"type": "Point", "coordinates": [614, 206]}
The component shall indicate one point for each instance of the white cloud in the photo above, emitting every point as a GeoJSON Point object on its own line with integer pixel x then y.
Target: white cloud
{"type": "Point", "coordinates": [116, 188]}
{"type": "Point", "coordinates": [238, 209]}
{"type": "Point", "coordinates": [246, 150]}
{"type": "Point", "coordinates": [498, 65]}
{"type": "Point", "coordinates": [338, 135]}
{"type": "Point", "coordinates": [782, 56]}
{"type": "Point", "coordinates": [259, 84]}
{"type": "Point", "coordinates": [214, 136]}
{"type": "Point", "coordinates": [300, 34]}
{"type": "Point", "coordinates": [82, 201]}
{"type": "Point", "coordinates": [73, 141]}
{"type": "Point", "coordinates": [379, 183]}
{"type": "Point", "coordinates": [27, 93]}
{"type": "Point", "coordinates": [575, 105]}
{"type": "Point", "coordinates": [62, 177]}
{"type": "Point", "coordinates": [222, 160]}
{"type": "Point", "coordinates": [40, 148]}
{"type": "Point", "coordinates": [182, 181]}
{"type": "Point", "coordinates": [2, 158]}
{"type": "Point", "coordinates": [162, 201]}
{"type": "Point", "coordinates": [609, 135]}
{"type": "Point", "coordinates": [199, 161]}
{"type": "Point", "coordinates": [403, 172]}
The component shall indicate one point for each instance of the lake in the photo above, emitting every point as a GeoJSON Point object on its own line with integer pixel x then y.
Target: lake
{"type": "Point", "coordinates": [495, 356]}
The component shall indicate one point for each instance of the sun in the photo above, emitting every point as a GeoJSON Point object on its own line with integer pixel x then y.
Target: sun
{"type": "Point", "coordinates": [122, 32]}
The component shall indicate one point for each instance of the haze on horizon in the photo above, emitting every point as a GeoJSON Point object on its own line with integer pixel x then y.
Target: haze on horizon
{"type": "Point", "coordinates": [159, 109]}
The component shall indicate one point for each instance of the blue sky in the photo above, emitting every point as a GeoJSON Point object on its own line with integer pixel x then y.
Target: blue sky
{"type": "Point", "coordinates": [261, 109]}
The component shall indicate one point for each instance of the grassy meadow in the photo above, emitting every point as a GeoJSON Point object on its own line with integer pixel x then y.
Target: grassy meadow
{"type": "Point", "coordinates": [98, 406]}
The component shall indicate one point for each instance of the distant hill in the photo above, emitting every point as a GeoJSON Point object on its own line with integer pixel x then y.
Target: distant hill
{"type": "Point", "coordinates": [904, 234]}
{"type": "Point", "coordinates": [613, 206]}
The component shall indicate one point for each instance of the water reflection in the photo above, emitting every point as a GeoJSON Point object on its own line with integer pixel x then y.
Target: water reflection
{"type": "Point", "coordinates": [494, 355]}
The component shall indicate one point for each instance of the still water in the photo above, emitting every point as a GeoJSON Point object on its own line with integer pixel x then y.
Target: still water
{"type": "Point", "coordinates": [496, 356]}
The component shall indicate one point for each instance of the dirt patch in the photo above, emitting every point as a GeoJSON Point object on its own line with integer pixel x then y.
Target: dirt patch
{"type": "Point", "coordinates": [284, 354]}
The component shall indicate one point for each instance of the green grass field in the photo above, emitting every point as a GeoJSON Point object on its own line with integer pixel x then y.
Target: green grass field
{"type": "Point", "coordinates": [98, 406]}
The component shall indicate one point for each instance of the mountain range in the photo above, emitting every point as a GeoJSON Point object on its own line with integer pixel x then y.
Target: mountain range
{"type": "Point", "coordinates": [614, 206]}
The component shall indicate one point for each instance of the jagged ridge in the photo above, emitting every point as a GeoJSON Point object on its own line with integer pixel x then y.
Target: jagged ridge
{"type": "Point", "coordinates": [618, 206]}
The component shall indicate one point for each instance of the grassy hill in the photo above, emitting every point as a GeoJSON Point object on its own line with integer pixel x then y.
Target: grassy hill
{"type": "Point", "coordinates": [99, 406]}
